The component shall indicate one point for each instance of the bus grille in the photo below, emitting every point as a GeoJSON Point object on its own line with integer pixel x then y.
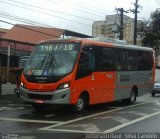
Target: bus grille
{"type": "Point", "coordinates": [38, 96]}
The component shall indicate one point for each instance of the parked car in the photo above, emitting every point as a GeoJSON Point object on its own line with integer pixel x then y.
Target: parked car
{"type": "Point", "coordinates": [156, 89]}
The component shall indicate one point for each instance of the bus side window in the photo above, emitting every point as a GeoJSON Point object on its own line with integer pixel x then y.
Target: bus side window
{"type": "Point", "coordinates": [108, 59]}
{"type": "Point", "coordinates": [150, 61]}
{"type": "Point", "coordinates": [132, 60]}
{"type": "Point", "coordinates": [142, 60]}
{"type": "Point", "coordinates": [120, 60]}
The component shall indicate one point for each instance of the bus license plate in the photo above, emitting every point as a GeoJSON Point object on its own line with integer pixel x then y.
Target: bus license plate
{"type": "Point", "coordinates": [39, 101]}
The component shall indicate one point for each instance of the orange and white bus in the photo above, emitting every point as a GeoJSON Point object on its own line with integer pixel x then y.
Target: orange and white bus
{"type": "Point", "coordinates": [83, 72]}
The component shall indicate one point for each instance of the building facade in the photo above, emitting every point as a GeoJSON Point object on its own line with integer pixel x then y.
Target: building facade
{"type": "Point", "coordinates": [2, 33]}
{"type": "Point", "coordinates": [109, 28]}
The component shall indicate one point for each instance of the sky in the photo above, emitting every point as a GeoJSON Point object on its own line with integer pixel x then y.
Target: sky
{"type": "Point", "coordinates": [74, 15]}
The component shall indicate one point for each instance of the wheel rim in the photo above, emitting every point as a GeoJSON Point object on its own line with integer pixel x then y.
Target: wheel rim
{"type": "Point", "coordinates": [80, 104]}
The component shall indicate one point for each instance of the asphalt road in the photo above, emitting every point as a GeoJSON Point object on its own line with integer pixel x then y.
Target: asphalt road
{"type": "Point", "coordinates": [21, 120]}
{"type": "Point", "coordinates": [112, 120]}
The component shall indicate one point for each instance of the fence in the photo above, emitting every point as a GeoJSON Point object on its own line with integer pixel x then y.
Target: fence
{"type": "Point", "coordinates": [12, 76]}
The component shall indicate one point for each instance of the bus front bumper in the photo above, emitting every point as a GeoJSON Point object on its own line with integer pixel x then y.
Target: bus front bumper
{"type": "Point", "coordinates": [59, 97]}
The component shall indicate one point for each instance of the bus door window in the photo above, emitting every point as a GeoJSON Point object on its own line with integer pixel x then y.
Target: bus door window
{"type": "Point", "coordinates": [86, 62]}
{"type": "Point", "coordinates": [98, 59]}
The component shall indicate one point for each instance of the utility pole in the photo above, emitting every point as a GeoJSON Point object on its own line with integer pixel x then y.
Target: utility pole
{"type": "Point", "coordinates": [135, 23]}
{"type": "Point", "coordinates": [135, 11]}
{"type": "Point", "coordinates": [121, 22]}
{"type": "Point", "coordinates": [8, 62]}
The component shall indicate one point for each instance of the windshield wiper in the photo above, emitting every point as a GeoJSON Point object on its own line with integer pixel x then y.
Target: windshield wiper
{"type": "Point", "coordinates": [51, 58]}
{"type": "Point", "coordinates": [40, 64]}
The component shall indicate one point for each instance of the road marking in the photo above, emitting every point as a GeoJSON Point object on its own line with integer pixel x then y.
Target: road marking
{"type": "Point", "coordinates": [135, 113]}
{"type": "Point", "coordinates": [131, 122]}
{"type": "Point", "coordinates": [30, 121]}
{"type": "Point", "coordinates": [114, 107]}
{"type": "Point", "coordinates": [20, 105]}
{"type": "Point", "coordinates": [26, 137]}
{"type": "Point", "coordinates": [138, 113]}
{"type": "Point", "coordinates": [116, 118]}
{"type": "Point", "coordinates": [90, 116]}
{"type": "Point", "coordinates": [91, 127]}
{"type": "Point", "coordinates": [157, 102]}
{"type": "Point", "coordinates": [149, 108]}
{"type": "Point", "coordinates": [20, 108]}
{"type": "Point", "coordinates": [3, 108]}
{"type": "Point", "coordinates": [72, 131]}
{"type": "Point", "coordinates": [87, 127]}
{"type": "Point", "coordinates": [155, 109]}
{"type": "Point", "coordinates": [11, 108]}
{"type": "Point", "coordinates": [49, 115]}
{"type": "Point", "coordinates": [120, 119]}
{"type": "Point", "coordinates": [102, 117]}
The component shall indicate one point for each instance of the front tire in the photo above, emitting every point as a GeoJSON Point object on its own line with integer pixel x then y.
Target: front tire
{"type": "Point", "coordinates": [81, 104]}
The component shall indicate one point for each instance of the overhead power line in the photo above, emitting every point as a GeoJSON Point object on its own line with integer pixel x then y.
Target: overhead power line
{"type": "Point", "coordinates": [24, 20]}
{"type": "Point", "coordinates": [18, 19]}
{"type": "Point", "coordinates": [88, 7]}
{"type": "Point", "coordinates": [158, 2]}
{"type": "Point", "coordinates": [45, 13]}
{"type": "Point", "coordinates": [51, 10]}
{"type": "Point", "coordinates": [57, 3]}
{"type": "Point", "coordinates": [104, 11]}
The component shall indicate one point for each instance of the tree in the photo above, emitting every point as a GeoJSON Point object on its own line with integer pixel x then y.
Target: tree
{"type": "Point", "coordinates": [152, 32]}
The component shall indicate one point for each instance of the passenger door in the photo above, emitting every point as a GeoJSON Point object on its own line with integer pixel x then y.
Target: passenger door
{"type": "Point", "coordinates": [85, 73]}
{"type": "Point", "coordinates": [104, 74]}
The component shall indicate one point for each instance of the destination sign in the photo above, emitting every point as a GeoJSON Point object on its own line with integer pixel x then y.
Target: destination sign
{"type": "Point", "coordinates": [59, 47]}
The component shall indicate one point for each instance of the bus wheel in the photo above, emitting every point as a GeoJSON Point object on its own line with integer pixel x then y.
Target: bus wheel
{"type": "Point", "coordinates": [132, 97]}
{"type": "Point", "coordinates": [81, 104]}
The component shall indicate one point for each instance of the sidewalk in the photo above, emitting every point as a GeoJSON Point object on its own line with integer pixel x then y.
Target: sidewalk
{"type": "Point", "coordinates": [8, 96]}
{"type": "Point", "coordinates": [8, 88]}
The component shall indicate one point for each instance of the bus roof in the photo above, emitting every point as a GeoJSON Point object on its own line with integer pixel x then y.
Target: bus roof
{"type": "Point", "coordinates": [100, 41]}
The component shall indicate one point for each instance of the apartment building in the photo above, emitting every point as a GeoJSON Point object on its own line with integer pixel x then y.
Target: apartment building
{"type": "Point", "coordinates": [109, 28]}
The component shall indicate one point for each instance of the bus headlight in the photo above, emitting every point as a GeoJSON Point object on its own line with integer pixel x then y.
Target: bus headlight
{"type": "Point", "coordinates": [63, 86]}
{"type": "Point", "coordinates": [23, 85]}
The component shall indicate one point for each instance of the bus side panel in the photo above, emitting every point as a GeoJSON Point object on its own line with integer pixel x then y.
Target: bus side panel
{"type": "Point", "coordinates": [81, 85]}
{"type": "Point", "coordinates": [99, 85]}
{"type": "Point", "coordinates": [125, 80]}
{"type": "Point", "coordinates": [104, 85]}
{"type": "Point", "coordinates": [147, 82]}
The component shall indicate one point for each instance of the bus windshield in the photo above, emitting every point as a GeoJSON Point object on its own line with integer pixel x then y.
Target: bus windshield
{"type": "Point", "coordinates": [54, 59]}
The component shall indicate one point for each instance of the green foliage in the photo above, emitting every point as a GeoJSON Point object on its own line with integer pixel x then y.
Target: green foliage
{"type": "Point", "coordinates": [152, 32]}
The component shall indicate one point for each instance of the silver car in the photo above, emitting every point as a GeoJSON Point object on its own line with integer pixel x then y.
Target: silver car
{"type": "Point", "coordinates": [156, 89]}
